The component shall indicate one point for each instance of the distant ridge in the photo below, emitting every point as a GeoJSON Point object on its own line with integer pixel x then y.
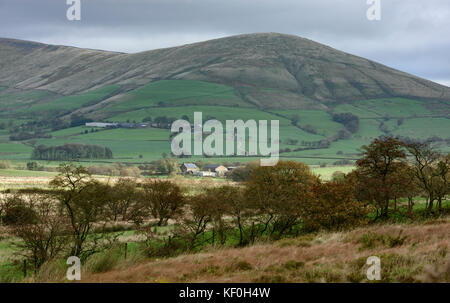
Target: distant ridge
{"type": "Point", "coordinates": [269, 70]}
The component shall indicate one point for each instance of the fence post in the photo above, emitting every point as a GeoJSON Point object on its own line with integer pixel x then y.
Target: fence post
{"type": "Point", "coordinates": [126, 249]}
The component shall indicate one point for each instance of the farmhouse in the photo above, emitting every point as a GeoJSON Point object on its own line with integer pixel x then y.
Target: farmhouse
{"type": "Point", "coordinates": [220, 170]}
{"type": "Point", "coordinates": [206, 174]}
{"type": "Point", "coordinates": [189, 168]}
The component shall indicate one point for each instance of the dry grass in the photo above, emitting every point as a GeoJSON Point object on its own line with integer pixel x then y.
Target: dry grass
{"type": "Point", "coordinates": [422, 256]}
{"type": "Point", "coordinates": [190, 184]}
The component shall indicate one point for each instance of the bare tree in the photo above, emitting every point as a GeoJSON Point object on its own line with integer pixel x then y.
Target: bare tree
{"type": "Point", "coordinates": [42, 229]}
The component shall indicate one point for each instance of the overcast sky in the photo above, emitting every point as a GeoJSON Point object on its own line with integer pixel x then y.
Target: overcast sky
{"type": "Point", "coordinates": [412, 35]}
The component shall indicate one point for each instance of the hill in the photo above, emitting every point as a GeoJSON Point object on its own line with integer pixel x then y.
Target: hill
{"type": "Point", "coordinates": [257, 76]}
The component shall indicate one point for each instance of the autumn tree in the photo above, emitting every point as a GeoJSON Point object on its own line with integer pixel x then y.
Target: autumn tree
{"type": "Point", "coordinates": [225, 202]}
{"type": "Point", "coordinates": [242, 173]}
{"type": "Point", "coordinates": [333, 206]}
{"type": "Point", "coordinates": [431, 170]}
{"type": "Point", "coordinates": [237, 207]}
{"type": "Point", "coordinates": [442, 185]}
{"type": "Point", "coordinates": [376, 172]}
{"type": "Point", "coordinates": [163, 199]}
{"type": "Point", "coordinates": [121, 201]}
{"type": "Point", "coordinates": [277, 194]}
{"type": "Point", "coordinates": [194, 224]}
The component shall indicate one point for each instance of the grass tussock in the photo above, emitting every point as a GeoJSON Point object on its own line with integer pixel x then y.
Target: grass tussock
{"type": "Point", "coordinates": [408, 253]}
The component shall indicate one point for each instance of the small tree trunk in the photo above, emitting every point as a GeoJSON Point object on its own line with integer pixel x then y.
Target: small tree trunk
{"type": "Point", "coordinates": [430, 205]}
{"type": "Point", "coordinates": [410, 205]}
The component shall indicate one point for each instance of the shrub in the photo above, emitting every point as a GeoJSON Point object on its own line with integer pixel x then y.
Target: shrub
{"type": "Point", "coordinates": [16, 210]}
{"type": "Point", "coordinates": [293, 265]}
{"type": "Point", "coordinates": [371, 240]}
{"type": "Point", "coordinates": [242, 266]}
{"type": "Point", "coordinates": [104, 261]}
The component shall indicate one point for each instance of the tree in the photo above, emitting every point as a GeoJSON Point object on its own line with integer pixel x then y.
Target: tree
{"type": "Point", "coordinates": [32, 165]}
{"type": "Point", "coordinates": [295, 119]}
{"type": "Point", "coordinates": [376, 172]}
{"type": "Point", "coordinates": [16, 210]}
{"type": "Point", "coordinates": [194, 224]}
{"type": "Point", "coordinates": [122, 199]}
{"type": "Point", "coordinates": [277, 194]}
{"type": "Point", "coordinates": [236, 206]}
{"type": "Point", "coordinates": [242, 173]}
{"type": "Point", "coordinates": [70, 151]}
{"type": "Point", "coordinates": [350, 121]}
{"type": "Point", "coordinates": [431, 171]}
{"type": "Point", "coordinates": [405, 185]}
{"type": "Point", "coordinates": [164, 200]}
{"type": "Point", "coordinates": [168, 166]}
{"type": "Point", "coordinates": [333, 206]}
{"type": "Point", "coordinates": [442, 186]}
{"type": "Point", "coordinates": [83, 201]}
{"type": "Point", "coordinates": [44, 234]}
{"type": "Point", "coordinates": [217, 210]}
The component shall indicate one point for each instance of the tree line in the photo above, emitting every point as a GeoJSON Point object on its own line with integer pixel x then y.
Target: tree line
{"type": "Point", "coordinates": [71, 151]}
{"type": "Point", "coordinates": [75, 216]}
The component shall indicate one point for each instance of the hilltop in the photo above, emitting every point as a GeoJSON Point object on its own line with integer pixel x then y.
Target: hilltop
{"type": "Point", "coordinates": [299, 72]}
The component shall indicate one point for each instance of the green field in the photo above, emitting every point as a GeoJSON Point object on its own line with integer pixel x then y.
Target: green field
{"type": "Point", "coordinates": [70, 103]}
{"type": "Point", "coordinates": [177, 99]}
{"type": "Point", "coordinates": [177, 92]}
{"type": "Point", "coordinates": [391, 107]}
{"type": "Point", "coordinates": [25, 173]}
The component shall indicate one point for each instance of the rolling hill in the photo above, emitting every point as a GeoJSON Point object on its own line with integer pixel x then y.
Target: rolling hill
{"type": "Point", "coordinates": [257, 76]}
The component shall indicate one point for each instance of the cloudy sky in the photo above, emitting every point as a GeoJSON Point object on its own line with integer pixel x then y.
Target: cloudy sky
{"type": "Point", "coordinates": [412, 35]}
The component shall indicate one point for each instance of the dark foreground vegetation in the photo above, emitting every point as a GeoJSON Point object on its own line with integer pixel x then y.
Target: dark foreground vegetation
{"type": "Point", "coordinates": [83, 217]}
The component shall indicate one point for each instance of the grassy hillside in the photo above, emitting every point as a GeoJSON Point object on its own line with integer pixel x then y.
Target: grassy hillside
{"type": "Point", "coordinates": [261, 76]}
{"type": "Point", "coordinates": [323, 257]}
{"type": "Point", "coordinates": [176, 99]}
{"type": "Point", "coordinates": [177, 92]}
